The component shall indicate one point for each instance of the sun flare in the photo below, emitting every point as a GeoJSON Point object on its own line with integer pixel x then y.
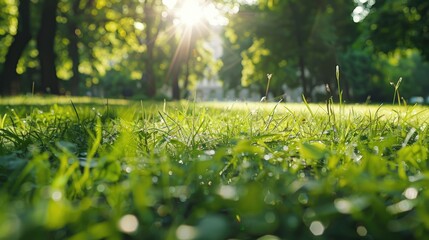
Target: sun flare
{"type": "Point", "coordinates": [192, 13]}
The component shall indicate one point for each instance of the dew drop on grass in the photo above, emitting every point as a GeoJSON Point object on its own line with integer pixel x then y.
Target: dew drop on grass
{"type": "Point", "coordinates": [170, 173]}
{"type": "Point", "coordinates": [210, 152]}
{"type": "Point", "coordinates": [294, 167]}
{"type": "Point", "coordinates": [356, 157]}
{"type": "Point", "coordinates": [127, 169]}
{"type": "Point", "coordinates": [268, 156]}
{"type": "Point", "coordinates": [227, 192]}
{"type": "Point", "coordinates": [128, 223]}
{"type": "Point", "coordinates": [343, 205]}
{"type": "Point", "coordinates": [376, 149]}
{"type": "Point", "coordinates": [56, 196]}
{"type": "Point", "coordinates": [361, 231]}
{"type": "Point", "coordinates": [185, 232]}
{"type": "Point", "coordinates": [246, 164]}
{"type": "Point", "coordinates": [154, 179]}
{"type": "Point", "coordinates": [183, 198]}
{"type": "Point", "coordinates": [101, 188]}
{"type": "Point", "coordinates": [411, 193]}
{"type": "Point", "coordinates": [317, 228]}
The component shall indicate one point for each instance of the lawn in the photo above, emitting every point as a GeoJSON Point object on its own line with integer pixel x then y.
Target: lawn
{"type": "Point", "coordinates": [112, 169]}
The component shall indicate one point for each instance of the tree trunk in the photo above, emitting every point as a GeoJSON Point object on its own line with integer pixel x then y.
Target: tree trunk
{"type": "Point", "coordinates": [175, 69]}
{"type": "Point", "coordinates": [20, 41]}
{"type": "Point", "coordinates": [45, 46]}
{"type": "Point", "coordinates": [175, 85]}
{"type": "Point", "coordinates": [150, 79]}
{"type": "Point", "coordinates": [150, 15]}
{"type": "Point", "coordinates": [300, 44]}
{"type": "Point", "coordinates": [187, 73]}
{"type": "Point", "coordinates": [73, 48]}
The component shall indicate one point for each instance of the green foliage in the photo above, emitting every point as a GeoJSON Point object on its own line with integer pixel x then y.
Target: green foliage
{"type": "Point", "coordinates": [8, 25]}
{"type": "Point", "coordinates": [137, 40]}
{"type": "Point", "coordinates": [102, 47]}
{"type": "Point", "coordinates": [296, 41]}
{"type": "Point", "coordinates": [299, 42]}
{"type": "Point", "coordinates": [114, 170]}
{"type": "Point", "coordinates": [400, 24]}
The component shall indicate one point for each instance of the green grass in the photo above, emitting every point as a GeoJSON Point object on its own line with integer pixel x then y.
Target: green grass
{"type": "Point", "coordinates": [92, 169]}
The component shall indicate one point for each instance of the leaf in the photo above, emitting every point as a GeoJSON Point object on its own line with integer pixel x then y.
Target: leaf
{"type": "Point", "coordinates": [313, 151]}
{"type": "Point", "coordinates": [414, 154]}
{"type": "Point", "coordinates": [246, 147]}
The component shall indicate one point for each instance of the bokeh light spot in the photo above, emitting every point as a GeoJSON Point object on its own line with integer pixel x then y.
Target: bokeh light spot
{"type": "Point", "coordinates": [128, 223]}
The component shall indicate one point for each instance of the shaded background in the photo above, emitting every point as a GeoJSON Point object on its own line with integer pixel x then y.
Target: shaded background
{"type": "Point", "coordinates": [152, 49]}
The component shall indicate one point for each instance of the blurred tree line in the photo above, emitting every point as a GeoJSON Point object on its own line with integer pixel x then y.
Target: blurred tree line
{"type": "Point", "coordinates": [136, 48]}
{"type": "Point", "coordinates": [300, 42]}
{"type": "Point", "coordinates": [119, 48]}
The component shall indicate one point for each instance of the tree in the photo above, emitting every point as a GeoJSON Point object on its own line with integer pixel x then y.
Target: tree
{"type": "Point", "coordinates": [175, 68]}
{"type": "Point", "coordinates": [152, 19]}
{"type": "Point", "coordinates": [188, 59]}
{"type": "Point", "coordinates": [73, 49]}
{"type": "Point", "coordinates": [294, 35]}
{"type": "Point", "coordinates": [21, 39]}
{"type": "Point", "coordinates": [234, 45]}
{"type": "Point", "coordinates": [399, 24]}
{"type": "Point", "coordinates": [358, 67]}
{"type": "Point", "coordinates": [79, 41]}
{"type": "Point", "coordinates": [45, 46]}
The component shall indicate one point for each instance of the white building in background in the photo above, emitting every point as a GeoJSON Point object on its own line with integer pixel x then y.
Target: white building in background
{"type": "Point", "coordinates": [292, 94]}
{"type": "Point", "coordinates": [209, 90]}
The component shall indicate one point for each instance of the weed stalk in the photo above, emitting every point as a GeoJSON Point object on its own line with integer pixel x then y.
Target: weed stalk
{"type": "Point", "coordinates": [396, 92]}
{"type": "Point", "coordinates": [265, 98]}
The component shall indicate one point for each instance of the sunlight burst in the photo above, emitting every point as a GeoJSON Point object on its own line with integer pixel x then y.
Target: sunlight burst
{"type": "Point", "coordinates": [191, 13]}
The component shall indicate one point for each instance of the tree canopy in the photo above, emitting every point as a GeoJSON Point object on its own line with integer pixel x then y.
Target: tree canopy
{"type": "Point", "coordinates": [301, 42]}
{"type": "Point", "coordinates": [162, 48]}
